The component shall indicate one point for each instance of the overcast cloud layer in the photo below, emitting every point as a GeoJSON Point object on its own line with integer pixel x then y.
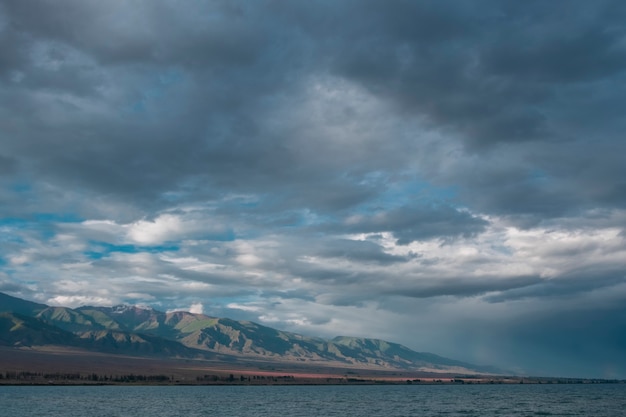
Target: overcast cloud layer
{"type": "Point", "coordinates": [447, 175]}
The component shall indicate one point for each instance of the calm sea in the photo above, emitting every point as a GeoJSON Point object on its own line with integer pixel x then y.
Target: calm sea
{"type": "Point", "coordinates": [392, 400]}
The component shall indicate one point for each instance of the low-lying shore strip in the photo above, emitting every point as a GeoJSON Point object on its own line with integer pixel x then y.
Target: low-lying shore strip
{"type": "Point", "coordinates": [66, 367]}
{"type": "Point", "coordinates": [269, 378]}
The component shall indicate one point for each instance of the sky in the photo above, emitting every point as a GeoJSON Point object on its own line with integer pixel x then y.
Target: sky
{"type": "Point", "coordinates": [446, 175]}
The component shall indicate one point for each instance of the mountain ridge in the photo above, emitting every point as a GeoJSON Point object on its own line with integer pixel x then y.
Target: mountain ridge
{"type": "Point", "coordinates": [140, 331]}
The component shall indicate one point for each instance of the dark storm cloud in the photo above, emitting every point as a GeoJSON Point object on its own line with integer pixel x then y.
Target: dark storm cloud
{"type": "Point", "coordinates": [492, 70]}
{"type": "Point", "coordinates": [7, 165]}
{"type": "Point", "coordinates": [592, 49]}
{"type": "Point", "coordinates": [466, 287]}
{"type": "Point", "coordinates": [135, 34]}
{"type": "Point", "coordinates": [409, 224]}
{"type": "Point", "coordinates": [503, 78]}
{"type": "Point", "coordinates": [567, 342]}
{"type": "Point", "coordinates": [495, 73]}
{"type": "Point", "coordinates": [583, 280]}
{"type": "Point", "coordinates": [358, 251]}
{"type": "Point", "coordinates": [442, 78]}
{"type": "Point", "coordinates": [116, 61]}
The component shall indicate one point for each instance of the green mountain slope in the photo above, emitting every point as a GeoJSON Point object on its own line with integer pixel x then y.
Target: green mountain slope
{"type": "Point", "coordinates": [137, 331]}
{"type": "Point", "coordinates": [17, 305]}
{"type": "Point", "coordinates": [18, 330]}
{"type": "Point", "coordinates": [68, 319]}
{"type": "Point", "coordinates": [112, 341]}
{"type": "Point", "coordinates": [397, 355]}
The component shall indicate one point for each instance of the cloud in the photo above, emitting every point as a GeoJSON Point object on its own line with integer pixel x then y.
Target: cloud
{"type": "Point", "coordinates": [77, 301]}
{"type": "Point", "coordinates": [359, 251]}
{"type": "Point", "coordinates": [196, 308]}
{"type": "Point", "coordinates": [163, 228]}
{"type": "Point", "coordinates": [410, 224]}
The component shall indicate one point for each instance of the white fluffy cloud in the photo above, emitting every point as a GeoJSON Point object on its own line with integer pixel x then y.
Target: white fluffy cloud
{"type": "Point", "coordinates": [196, 308]}
{"type": "Point", "coordinates": [164, 228]}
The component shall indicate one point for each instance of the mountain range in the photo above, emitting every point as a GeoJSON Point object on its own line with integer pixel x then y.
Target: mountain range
{"type": "Point", "coordinates": [139, 331]}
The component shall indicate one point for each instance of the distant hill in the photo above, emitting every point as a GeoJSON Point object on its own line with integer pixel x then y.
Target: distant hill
{"type": "Point", "coordinates": [137, 331]}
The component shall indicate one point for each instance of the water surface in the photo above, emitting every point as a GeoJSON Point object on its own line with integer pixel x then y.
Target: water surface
{"type": "Point", "coordinates": [390, 400]}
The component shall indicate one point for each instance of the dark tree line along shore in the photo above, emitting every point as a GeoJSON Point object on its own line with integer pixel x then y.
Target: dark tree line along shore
{"type": "Point", "coordinates": [89, 378]}
{"type": "Point", "coordinates": [76, 378]}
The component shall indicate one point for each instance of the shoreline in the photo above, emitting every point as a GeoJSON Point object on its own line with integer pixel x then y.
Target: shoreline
{"type": "Point", "coordinates": [292, 380]}
{"type": "Point", "coordinates": [61, 367]}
